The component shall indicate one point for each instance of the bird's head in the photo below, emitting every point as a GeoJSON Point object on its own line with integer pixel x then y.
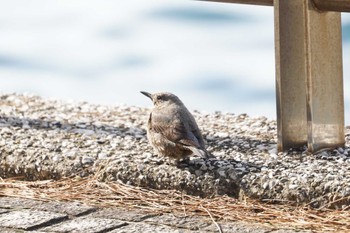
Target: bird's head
{"type": "Point", "coordinates": [163, 98]}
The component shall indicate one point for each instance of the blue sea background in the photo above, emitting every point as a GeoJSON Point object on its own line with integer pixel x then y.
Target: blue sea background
{"type": "Point", "coordinates": [214, 56]}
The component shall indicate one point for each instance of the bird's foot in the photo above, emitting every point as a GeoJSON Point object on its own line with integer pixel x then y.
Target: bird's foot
{"type": "Point", "coordinates": [182, 163]}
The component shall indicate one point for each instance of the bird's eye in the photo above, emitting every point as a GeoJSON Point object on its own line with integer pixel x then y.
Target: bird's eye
{"type": "Point", "coordinates": [159, 97]}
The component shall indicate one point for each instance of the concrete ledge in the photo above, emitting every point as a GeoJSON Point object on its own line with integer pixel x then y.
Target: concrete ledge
{"type": "Point", "coordinates": [44, 139]}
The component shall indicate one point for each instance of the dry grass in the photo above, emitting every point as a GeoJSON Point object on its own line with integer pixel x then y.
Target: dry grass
{"type": "Point", "coordinates": [112, 194]}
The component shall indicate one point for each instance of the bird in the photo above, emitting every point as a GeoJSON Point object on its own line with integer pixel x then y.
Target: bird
{"type": "Point", "coordinates": [172, 130]}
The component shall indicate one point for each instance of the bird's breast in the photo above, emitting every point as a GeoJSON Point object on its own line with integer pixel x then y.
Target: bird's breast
{"type": "Point", "coordinates": [162, 117]}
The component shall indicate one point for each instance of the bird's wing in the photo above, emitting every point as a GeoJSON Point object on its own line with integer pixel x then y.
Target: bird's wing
{"type": "Point", "coordinates": [196, 132]}
{"type": "Point", "coordinates": [173, 130]}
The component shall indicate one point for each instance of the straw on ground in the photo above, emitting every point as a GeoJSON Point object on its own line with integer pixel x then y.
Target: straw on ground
{"type": "Point", "coordinates": [91, 191]}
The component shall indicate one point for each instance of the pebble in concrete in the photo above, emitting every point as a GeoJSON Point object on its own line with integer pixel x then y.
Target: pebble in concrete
{"type": "Point", "coordinates": [29, 219]}
{"type": "Point", "coordinates": [86, 225]}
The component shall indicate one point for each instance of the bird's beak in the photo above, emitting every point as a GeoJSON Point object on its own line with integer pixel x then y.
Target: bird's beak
{"type": "Point", "coordinates": [147, 94]}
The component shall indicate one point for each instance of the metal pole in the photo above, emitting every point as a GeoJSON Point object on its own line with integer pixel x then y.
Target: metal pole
{"type": "Point", "coordinates": [324, 79]}
{"type": "Point", "coordinates": [308, 76]}
{"type": "Point", "coordinates": [290, 49]}
{"type": "Point", "coordinates": [333, 5]}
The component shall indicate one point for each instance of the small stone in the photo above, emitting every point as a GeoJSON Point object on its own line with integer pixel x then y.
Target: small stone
{"type": "Point", "coordinates": [87, 160]}
{"type": "Point", "coordinates": [203, 167]}
{"type": "Point", "coordinates": [56, 158]}
{"type": "Point", "coordinates": [198, 172]}
{"type": "Point", "coordinates": [265, 185]}
{"type": "Point", "coordinates": [102, 156]}
{"type": "Point", "coordinates": [71, 155]}
{"type": "Point", "coordinates": [221, 134]}
{"type": "Point", "coordinates": [292, 186]}
{"type": "Point", "coordinates": [210, 138]}
{"type": "Point", "coordinates": [221, 173]}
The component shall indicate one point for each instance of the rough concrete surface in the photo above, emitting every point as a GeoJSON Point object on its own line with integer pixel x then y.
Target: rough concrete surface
{"type": "Point", "coordinates": [28, 219]}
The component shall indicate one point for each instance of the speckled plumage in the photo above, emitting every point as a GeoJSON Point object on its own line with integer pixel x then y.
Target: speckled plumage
{"type": "Point", "coordinates": [172, 130]}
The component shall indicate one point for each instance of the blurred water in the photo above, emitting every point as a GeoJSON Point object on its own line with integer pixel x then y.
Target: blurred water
{"type": "Point", "coordinates": [214, 56]}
